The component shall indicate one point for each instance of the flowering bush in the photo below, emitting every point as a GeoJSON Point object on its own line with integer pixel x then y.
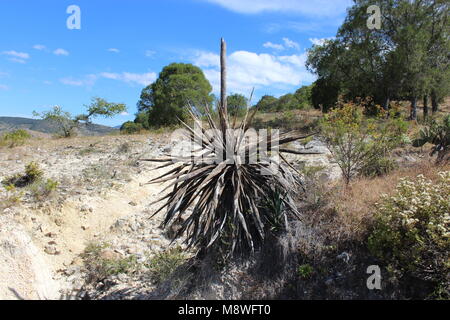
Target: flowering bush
{"type": "Point", "coordinates": [411, 232]}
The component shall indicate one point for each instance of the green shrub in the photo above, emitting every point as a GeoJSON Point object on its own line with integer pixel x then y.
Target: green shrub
{"type": "Point", "coordinates": [130, 127]}
{"type": "Point", "coordinates": [42, 189]}
{"type": "Point", "coordinates": [305, 271]}
{"type": "Point", "coordinates": [357, 141]}
{"type": "Point", "coordinates": [411, 232]}
{"type": "Point", "coordinates": [32, 174]}
{"type": "Point", "coordinates": [165, 263]}
{"type": "Point", "coordinates": [15, 138]}
{"type": "Point", "coordinates": [378, 166]}
{"type": "Point", "coordinates": [13, 197]}
{"type": "Point", "coordinates": [99, 267]}
{"type": "Point", "coordinates": [437, 134]}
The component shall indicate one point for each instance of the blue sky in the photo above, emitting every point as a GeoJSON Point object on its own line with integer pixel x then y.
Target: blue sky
{"type": "Point", "coordinates": [123, 45]}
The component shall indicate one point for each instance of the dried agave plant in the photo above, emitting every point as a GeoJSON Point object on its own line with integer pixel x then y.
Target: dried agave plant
{"type": "Point", "coordinates": [224, 188]}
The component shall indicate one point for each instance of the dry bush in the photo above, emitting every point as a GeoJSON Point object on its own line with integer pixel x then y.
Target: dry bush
{"type": "Point", "coordinates": [351, 208]}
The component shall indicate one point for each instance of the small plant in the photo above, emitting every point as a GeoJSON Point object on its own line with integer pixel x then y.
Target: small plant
{"type": "Point", "coordinates": [100, 266]}
{"type": "Point", "coordinates": [15, 138]}
{"type": "Point", "coordinates": [378, 166]}
{"type": "Point", "coordinates": [13, 197]}
{"type": "Point", "coordinates": [43, 188]}
{"type": "Point", "coordinates": [32, 174]}
{"type": "Point", "coordinates": [275, 206]}
{"type": "Point", "coordinates": [86, 151]}
{"type": "Point", "coordinates": [412, 230]}
{"type": "Point", "coordinates": [437, 134]}
{"type": "Point", "coordinates": [124, 148]}
{"type": "Point", "coordinates": [305, 271]}
{"type": "Point", "coordinates": [165, 263]}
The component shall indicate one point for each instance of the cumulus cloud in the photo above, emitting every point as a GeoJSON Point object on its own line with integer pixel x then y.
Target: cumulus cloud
{"type": "Point", "coordinates": [248, 69]}
{"type": "Point", "coordinates": [323, 8]}
{"type": "Point", "coordinates": [115, 50]}
{"type": "Point", "coordinates": [61, 52]}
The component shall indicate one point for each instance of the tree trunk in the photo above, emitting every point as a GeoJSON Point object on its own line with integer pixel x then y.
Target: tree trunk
{"type": "Point", "coordinates": [425, 106]}
{"type": "Point", "coordinates": [223, 76]}
{"type": "Point", "coordinates": [434, 102]}
{"type": "Point", "coordinates": [413, 115]}
{"type": "Point", "coordinates": [387, 103]}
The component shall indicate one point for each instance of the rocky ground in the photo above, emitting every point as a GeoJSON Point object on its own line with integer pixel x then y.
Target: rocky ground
{"type": "Point", "coordinates": [102, 199]}
{"type": "Point", "coordinates": [101, 190]}
{"type": "Point", "coordinates": [93, 237]}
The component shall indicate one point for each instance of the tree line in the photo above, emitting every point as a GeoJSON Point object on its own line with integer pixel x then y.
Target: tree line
{"type": "Point", "coordinates": [406, 59]}
{"type": "Point", "coordinates": [179, 85]}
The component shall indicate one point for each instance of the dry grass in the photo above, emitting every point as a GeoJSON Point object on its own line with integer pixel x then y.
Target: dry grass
{"type": "Point", "coordinates": [351, 208]}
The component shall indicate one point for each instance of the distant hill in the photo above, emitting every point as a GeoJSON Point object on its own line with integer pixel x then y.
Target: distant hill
{"type": "Point", "coordinates": [48, 127]}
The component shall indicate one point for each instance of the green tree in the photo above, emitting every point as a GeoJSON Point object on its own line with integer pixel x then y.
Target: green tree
{"type": "Point", "coordinates": [131, 127]}
{"type": "Point", "coordinates": [406, 59]}
{"type": "Point", "coordinates": [304, 96]}
{"type": "Point", "coordinates": [177, 86]}
{"type": "Point", "coordinates": [142, 119]}
{"type": "Point", "coordinates": [287, 102]}
{"type": "Point", "coordinates": [237, 105]}
{"type": "Point", "coordinates": [267, 104]}
{"type": "Point", "coordinates": [67, 124]}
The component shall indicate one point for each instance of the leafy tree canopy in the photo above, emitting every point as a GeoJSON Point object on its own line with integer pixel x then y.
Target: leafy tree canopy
{"type": "Point", "coordinates": [177, 86]}
{"type": "Point", "coordinates": [237, 104]}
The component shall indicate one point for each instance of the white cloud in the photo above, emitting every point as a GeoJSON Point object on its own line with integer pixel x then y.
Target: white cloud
{"type": "Point", "coordinates": [124, 113]}
{"type": "Point", "coordinates": [319, 42]}
{"type": "Point", "coordinates": [291, 44]}
{"type": "Point", "coordinates": [39, 47]}
{"type": "Point", "coordinates": [305, 7]}
{"type": "Point", "coordinates": [4, 87]}
{"type": "Point", "coordinates": [206, 59]}
{"type": "Point", "coordinates": [114, 50]}
{"type": "Point", "coordinates": [248, 69]}
{"type": "Point", "coordinates": [138, 78]}
{"type": "Point", "coordinates": [61, 52]}
{"type": "Point", "coordinates": [288, 44]}
{"type": "Point", "coordinates": [18, 57]}
{"type": "Point", "coordinates": [87, 81]}
{"type": "Point", "coordinates": [273, 46]}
